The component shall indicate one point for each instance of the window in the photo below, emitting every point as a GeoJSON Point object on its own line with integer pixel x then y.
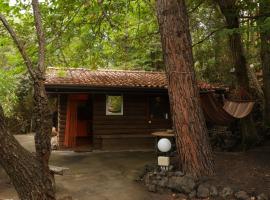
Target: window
{"type": "Point", "coordinates": [159, 107]}
{"type": "Point", "coordinates": [114, 105]}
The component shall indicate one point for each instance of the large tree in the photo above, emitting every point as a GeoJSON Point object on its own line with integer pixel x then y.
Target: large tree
{"type": "Point", "coordinates": [192, 140]}
{"type": "Point", "coordinates": [263, 21]}
{"type": "Point", "coordinates": [230, 11]}
{"type": "Point", "coordinates": [29, 172]}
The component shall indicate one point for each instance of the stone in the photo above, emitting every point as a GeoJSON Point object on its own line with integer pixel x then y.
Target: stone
{"type": "Point", "coordinates": [171, 167]}
{"type": "Point", "coordinates": [213, 191]}
{"type": "Point", "coordinates": [241, 195]}
{"type": "Point", "coordinates": [147, 179]}
{"type": "Point", "coordinates": [163, 182]}
{"type": "Point", "coordinates": [226, 192]}
{"type": "Point", "coordinates": [184, 184]}
{"type": "Point", "coordinates": [262, 196]}
{"type": "Point", "coordinates": [154, 181]}
{"type": "Point", "coordinates": [162, 173]}
{"type": "Point", "coordinates": [179, 173]}
{"type": "Point", "coordinates": [203, 191]}
{"type": "Point", "coordinates": [152, 188]}
{"type": "Point", "coordinates": [173, 182]}
{"type": "Point", "coordinates": [188, 184]}
{"type": "Point", "coordinates": [192, 194]}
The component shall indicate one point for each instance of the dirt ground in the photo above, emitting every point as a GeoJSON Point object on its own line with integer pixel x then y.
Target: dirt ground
{"type": "Point", "coordinates": [249, 170]}
{"type": "Point", "coordinates": [111, 175]}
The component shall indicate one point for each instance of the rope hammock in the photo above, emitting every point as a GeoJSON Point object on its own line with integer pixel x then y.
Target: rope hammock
{"type": "Point", "coordinates": [219, 114]}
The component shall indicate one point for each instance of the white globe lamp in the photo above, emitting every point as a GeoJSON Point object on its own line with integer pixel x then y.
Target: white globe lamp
{"type": "Point", "coordinates": [164, 145]}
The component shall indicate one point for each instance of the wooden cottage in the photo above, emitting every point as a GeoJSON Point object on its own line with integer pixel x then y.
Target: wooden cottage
{"type": "Point", "coordinates": [109, 109]}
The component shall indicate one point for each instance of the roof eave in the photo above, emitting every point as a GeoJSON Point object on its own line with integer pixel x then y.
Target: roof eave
{"type": "Point", "coordinates": [86, 88]}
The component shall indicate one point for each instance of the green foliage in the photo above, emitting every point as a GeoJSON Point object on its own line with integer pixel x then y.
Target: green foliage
{"type": "Point", "coordinates": [121, 34]}
{"type": "Point", "coordinates": [103, 34]}
{"type": "Point", "coordinates": [211, 54]}
{"type": "Point", "coordinates": [9, 80]}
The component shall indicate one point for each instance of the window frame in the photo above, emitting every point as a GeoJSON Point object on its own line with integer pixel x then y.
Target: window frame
{"type": "Point", "coordinates": [108, 113]}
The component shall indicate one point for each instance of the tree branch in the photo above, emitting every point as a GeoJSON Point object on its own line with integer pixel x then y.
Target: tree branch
{"type": "Point", "coordinates": [19, 45]}
{"type": "Point", "coordinates": [208, 36]}
{"type": "Point", "coordinates": [196, 7]}
{"type": "Point", "coordinates": [255, 16]}
{"type": "Point", "coordinates": [40, 36]}
{"type": "Point", "coordinates": [63, 27]}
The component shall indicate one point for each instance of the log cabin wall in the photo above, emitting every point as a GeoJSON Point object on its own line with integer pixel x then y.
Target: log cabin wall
{"type": "Point", "coordinates": [62, 112]}
{"type": "Point", "coordinates": [132, 130]}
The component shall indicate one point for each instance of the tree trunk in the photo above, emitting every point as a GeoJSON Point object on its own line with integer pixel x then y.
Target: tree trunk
{"type": "Point", "coordinates": [43, 119]}
{"type": "Point", "coordinates": [22, 167]}
{"type": "Point", "coordinates": [265, 59]}
{"type": "Point", "coordinates": [190, 129]}
{"type": "Point", "coordinates": [230, 12]}
{"type": "Point", "coordinates": [30, 173]}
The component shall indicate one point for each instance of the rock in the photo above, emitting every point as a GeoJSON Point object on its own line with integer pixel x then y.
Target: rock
{"type": "Point", "coordinates": [171, 167]}
{"type": "Point", "coordinates": [192, 194]}
{"type": "Point", "coordinates": [213, 191]}
{"type": "Point", "coordinates": [226, 192]}
{"type": "Point", "coordinates": [262, 196]}
{"type": "Point", "coordinates": [176, 173]}
{"type": "Point", "coordinates": [152, 188]}
{"type": "Point", "coordinates": [188, 184]}
{"type": "Point", "coordinates": [203, 191]}
{"type": "Point", "coordinates": [184, 184]}
{"type": "Point", "coordinates": [241, 195]}
{"type": "Point", "coordinates": [162, 173]}
{"type": "Point", "coordinates": [147, 179]}
{"type": "Point", "coordinates": [170, 174]}
{"type": "Point", "coordinates": [154, 182]}
{"type": "Point", "coordinates": [179, 173]}
{"type": "Point", "coordinates": [163, 182]}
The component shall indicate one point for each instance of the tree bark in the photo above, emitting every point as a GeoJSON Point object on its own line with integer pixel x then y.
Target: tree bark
{"type": "Point", "coordinates": [30, 173]}
{"type": "Point", "coordinates": [265, 59]}
{"type": "Point", "coordinates": [23, 167]}
{"type": "Point", "coordinates": [190, 129]}
{"type": "Point", "coordinates": [42, 113]}
{"type": "Point", "coordinates": [230, 12]}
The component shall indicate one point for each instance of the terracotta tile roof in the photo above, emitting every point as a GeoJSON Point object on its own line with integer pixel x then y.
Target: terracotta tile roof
{"type": "Point", "coordinates": [109, 78]}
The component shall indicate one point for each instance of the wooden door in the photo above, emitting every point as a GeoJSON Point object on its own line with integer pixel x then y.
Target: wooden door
{"type": "Point", "coordinates": [78, 119]}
